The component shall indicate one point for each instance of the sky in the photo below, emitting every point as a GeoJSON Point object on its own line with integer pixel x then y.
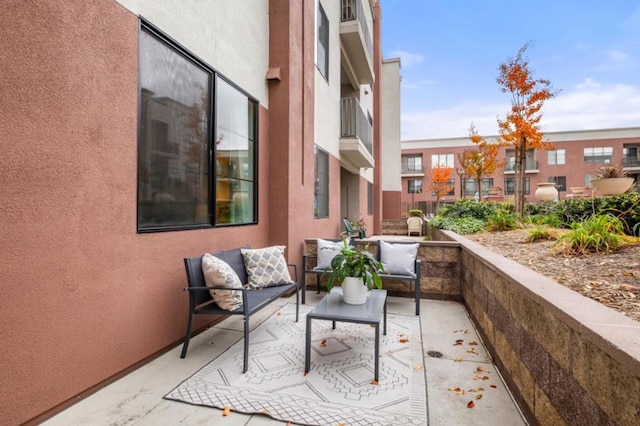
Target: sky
{"type": "Point", "coordinates": [451, 50]}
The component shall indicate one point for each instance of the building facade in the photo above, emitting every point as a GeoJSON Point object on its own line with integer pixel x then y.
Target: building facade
{"type": "Point", "coordinates": [139, 133]}
{"type": "Point", "coordinates": [572, 163]}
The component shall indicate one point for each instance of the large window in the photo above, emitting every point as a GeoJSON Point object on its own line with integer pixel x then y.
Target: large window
{"type": "Point", "coordinates": [556, 157]}
{"type": "Point", "coordinates": [471, 187]}
{"type": "Point", "coordinates": [451, 183]}
{"type": "Point", "coordinates": [510, 186]}
{"type": "Point", "coordinates": [560, 181]}
{"type": "Point", "coordinates": [412, 164]}
{"type": "Point", "coordinates": [178, 186]}
{"type": "Point", "coordinates": [321, 201]}
{"type": "Point", "coordinates": [414, 186]}
{"type": "Point", "coordinates": [442, 160]}
{"type": "Point", "coordinates": [598, 155]}
{"type": "Point", "coordinates": [322, 42]}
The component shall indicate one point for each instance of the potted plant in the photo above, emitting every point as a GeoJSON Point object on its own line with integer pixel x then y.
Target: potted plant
{"type": "Point", "coordinates": [358, 271]}
{"type": "Point", "coordinates": [611, 180]}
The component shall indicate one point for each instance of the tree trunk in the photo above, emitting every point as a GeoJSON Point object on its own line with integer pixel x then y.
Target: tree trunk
{"type": "Point", "coordinates": [521, 154]}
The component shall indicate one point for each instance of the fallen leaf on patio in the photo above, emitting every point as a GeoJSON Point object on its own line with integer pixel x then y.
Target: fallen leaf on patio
{"type": "Point", "coordinates": [404, 340]}
{"type": "Point", "coordinates": [417, 367]}
{"type": "Point", "coordinates": [457, 390]}
{"type": "Point", "coordinates": [476, 378]}
{"type": "Point", "coordinates": [481, 370]}
{"type": "Point", "coordinates": [479, 396]}
{"type": "Point", "coordinates": [485, 378]}
{"type": "Point", "coordinates": [476, 389]}
{"type": "Point", "coordinates": [472, 351]}
{"type": "Point", "coordinates": [278, 313]}
{"type": "Point", "coordinates": [458, 342]}
{"type": "Point", "coordinates": [323, 343]}
{"type": "Point", "coordinates": [374, 382]}
{"type": "Point", "coordinates": [372, 325]}
{"type": "Point", "coordinates": [305, 373]}
{"type": "Point", "coordinates": [473, 343]}
{"type": "Point", "coordinates": [457, 359]}
{"type": "Point", "coordinates": [467, 332]}
{"type": "Point", "coordinates": [265, 411]}
{"type": "Point", "coordinates": [226, 411]}
{"type": "Point", "coordinates": [471, 404]}
{"type": "Point", "coordinates": [493, 386]}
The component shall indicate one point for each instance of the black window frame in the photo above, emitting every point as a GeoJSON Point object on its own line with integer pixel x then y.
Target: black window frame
{"type": "Point", "coordinates": [560, 181]}
{"type": "Point", "coordinates": [214, 75]}
{"type": "Point", "coordinates": [321, 188]}
{"type": "Point", "coordinates": [322, 34]}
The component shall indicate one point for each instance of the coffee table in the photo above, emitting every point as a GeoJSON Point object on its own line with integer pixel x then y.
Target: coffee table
{"type": "Point", "coordinates": [333, 308]}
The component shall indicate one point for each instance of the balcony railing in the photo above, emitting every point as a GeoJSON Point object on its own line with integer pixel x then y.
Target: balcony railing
{"type": "Point", "coordinates": [354, 123]}
{"type": "Point", "coordinates": [409, 170]}
{"type": "Point", "coordinates": [630, 162]}
{"type": "Point", "coordinates": [353, 10]}
{"type": "Point", "coordinates": [529, 165]}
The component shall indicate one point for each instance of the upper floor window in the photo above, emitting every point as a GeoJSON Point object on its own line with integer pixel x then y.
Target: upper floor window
{"type": "Point", "coordinates": [555, 157]}
{"type": "Point", "coordinates": [322, 42]}
{"type": "Point", "coordinates": [412, 163]}
{"type": "Point", "coordinates": [530, 160]}
{"type": "Point", "coordinates": [442, 160]}
{"type": "Point", "coordinates": [598, 155]}
{"type": "Point", "coordinates": [178, 186]}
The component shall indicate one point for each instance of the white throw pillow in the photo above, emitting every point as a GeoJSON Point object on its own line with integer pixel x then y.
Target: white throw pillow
{"type": "Point", "coordinates": [327, 250]}
{"type": "Point", "coordinates": [218, 273]}
{"type": "Point", "coordinates": [398, 259]}
{"type": "Point", "coordinates": [266, 267]}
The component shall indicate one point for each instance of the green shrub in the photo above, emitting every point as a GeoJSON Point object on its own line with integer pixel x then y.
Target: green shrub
{"type": "Point", "coordinates": [468, 208]}
{"type": "Point", "coordinates": [541, 233]}
{"type": "Point", "coordinates": [416, 213]}
{"type": "Point", "coordinates": [597, 234]}
{"type": "Point", "coordinates": [459, 225]}
{"type": "Point", "coordinates": [503, 220]}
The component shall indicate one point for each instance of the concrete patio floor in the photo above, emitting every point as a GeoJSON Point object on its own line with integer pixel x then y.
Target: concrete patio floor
{"type": "Point", "coordinates": [136, 399]}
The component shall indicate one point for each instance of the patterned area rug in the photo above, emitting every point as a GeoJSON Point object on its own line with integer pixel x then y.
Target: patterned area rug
{"type": "Point", "coordinates": [337, 390]}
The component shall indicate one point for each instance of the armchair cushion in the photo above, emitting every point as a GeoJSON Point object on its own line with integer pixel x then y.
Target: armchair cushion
{"type": "Point", "coordinates": [218, 273]}
{"type": "Point", "coordinates": [266, 267]}
{"type": "Point", "coordinates": [398, 258]}
{"type": "Point", "coordinates": [327, 250]}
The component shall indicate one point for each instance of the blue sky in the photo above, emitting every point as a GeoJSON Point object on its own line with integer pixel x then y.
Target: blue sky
{"type": "Point", "coordinates": [451, 50]}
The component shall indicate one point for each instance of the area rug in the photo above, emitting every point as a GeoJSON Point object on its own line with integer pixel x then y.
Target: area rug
{"type": "Point", "coordinates": [339, 387]}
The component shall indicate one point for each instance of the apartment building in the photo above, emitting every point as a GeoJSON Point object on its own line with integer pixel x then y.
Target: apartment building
{"type": "Point", "coordinates": [576, 157]}
{"type": "Point", "coordinates": [139, 133]}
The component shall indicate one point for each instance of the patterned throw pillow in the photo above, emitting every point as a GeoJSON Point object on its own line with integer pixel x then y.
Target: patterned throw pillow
{"type": "Point", "coordinates": [398, 258]}
{"type": "Point", "coordinates": [218, 273]}
{"type": "Point", "coordinates": [266, 267]}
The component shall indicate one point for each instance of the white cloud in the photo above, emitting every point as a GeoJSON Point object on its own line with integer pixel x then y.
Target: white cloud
{"type": "Point", "coordinates": [407, 59]}
{"type": "Point", "coordinates": [416, 84]}
{"type": "Point", "coordinates": [590, 105]}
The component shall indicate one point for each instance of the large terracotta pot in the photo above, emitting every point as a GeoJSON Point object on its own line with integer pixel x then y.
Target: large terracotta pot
{"type": "Point", "coordinates": [611, 186]}
{"type": "Point", "coordinates": [546, 191]}
{"type": "Point", "coordinates": [354, 291]}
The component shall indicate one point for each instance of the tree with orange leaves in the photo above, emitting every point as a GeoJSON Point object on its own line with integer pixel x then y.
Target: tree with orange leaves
{"type": "Point", "coordinates": [521, 126]}
{"type": "Point", "coordinates": [440, 177]}
{"type": "Point", "coordinates": [480, 162]}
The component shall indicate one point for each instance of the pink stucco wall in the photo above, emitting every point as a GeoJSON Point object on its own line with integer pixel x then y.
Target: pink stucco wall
{"type": "Point", "coordinates": [84, 296]}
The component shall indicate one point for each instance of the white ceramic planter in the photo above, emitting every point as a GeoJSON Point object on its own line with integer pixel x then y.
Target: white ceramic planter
{"type": "Point", "coordinates": [546, 191]}
{"type": "Point", "coordinates": [354, 291]}
{"type": "Point", "coordinates": [611, 186]}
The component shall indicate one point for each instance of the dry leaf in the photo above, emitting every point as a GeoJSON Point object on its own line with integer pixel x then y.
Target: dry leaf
{"type": "Point", "coordinates": [226, 411]}
{"type": "Point", "coordinates": [417, 367]}
{"type": "Point", "coordinates": [473, 343]}
{"type": "Point", "coordinates": [481, 370]}
{"type": "Point", "coordinates": [472, 351]}
{"type": "Point", "coordinates": [457, 390]}
{"type": "Point", "coordinates": [305, 373]}
{"type": "Point", "coordinates": [471, 404]}
{"type": "Point", "coordinates": [493, 386]}
{"type": "Point", "coordinates": [278, 314]}
{"type": "Point", "coordinates": [476, 389]}
{"type": "Point", "coordinates": [265, 411]}
{"type": "Point", "coordinates": [374, 382]}
{"type": "Point", "coordinates": [457, 359]}
{"type": "Point", "coordinates": [485, 378]}
{"type": "Point", "coordinates": [458, 342]}
{"type": "Point", "coordinates": [323, 343]}
{"type": "Point", "coordinates": [404, 340]}
{"type": "Point", "coordinates": [478, 396]}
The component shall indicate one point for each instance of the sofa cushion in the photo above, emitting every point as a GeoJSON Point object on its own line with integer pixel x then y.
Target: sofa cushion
{"type": "Point", "coordinates": [266, 267]}
{"type": "Point", "coordinates": [327, 250]}
{"type": "Point", "coordinates": [398, 259]}
{"type": "Point", "coordinates": [218, 273]}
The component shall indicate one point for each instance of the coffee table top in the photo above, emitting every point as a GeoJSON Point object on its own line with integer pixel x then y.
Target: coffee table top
{"type": "Point", "coordinates": [332, 307]}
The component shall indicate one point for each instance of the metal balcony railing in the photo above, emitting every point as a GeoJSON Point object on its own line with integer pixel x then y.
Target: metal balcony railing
{"type": "Point", "coordinates": [411, 169]}
{"type": "Point", "coordinates": [529, 165]}
{"type": "Point", "coordinates": [630, 162]}
{"type": "Point", "coordinates": [353, 10]}
{"type": "Point", "coordinates": [354, 123]}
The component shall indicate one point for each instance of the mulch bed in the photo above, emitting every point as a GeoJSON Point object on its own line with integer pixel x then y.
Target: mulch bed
{"type": "Point", "coordinates": [612, 279]}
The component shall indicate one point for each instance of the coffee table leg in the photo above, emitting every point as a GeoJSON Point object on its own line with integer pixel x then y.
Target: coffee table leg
{"type": "Point", "coordinates": [377, 350]}
{"type": "Point", "coordinates": [307, 347]}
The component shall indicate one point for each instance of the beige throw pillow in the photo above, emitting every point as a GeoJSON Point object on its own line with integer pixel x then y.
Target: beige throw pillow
{"type": "Point", "coordinates": [218, 273]}
{"type": "Point", "coordinates": [266, 267]}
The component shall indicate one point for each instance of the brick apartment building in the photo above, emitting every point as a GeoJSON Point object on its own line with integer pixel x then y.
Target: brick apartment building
{"type": "Point", "coordinates": [573, 162]}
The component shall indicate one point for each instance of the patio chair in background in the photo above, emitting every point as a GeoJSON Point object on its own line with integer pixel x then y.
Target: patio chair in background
{"type": "Point", "coordinates": [414, 225]}
{"type": "Point", "coordinates": [351, 231]}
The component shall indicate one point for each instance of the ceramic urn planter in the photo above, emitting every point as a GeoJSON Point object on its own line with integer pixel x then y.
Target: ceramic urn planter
{"type": "Point", "coordinates": [611, 186]}
{"type": "Point", "coordinates": [546, 191]}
